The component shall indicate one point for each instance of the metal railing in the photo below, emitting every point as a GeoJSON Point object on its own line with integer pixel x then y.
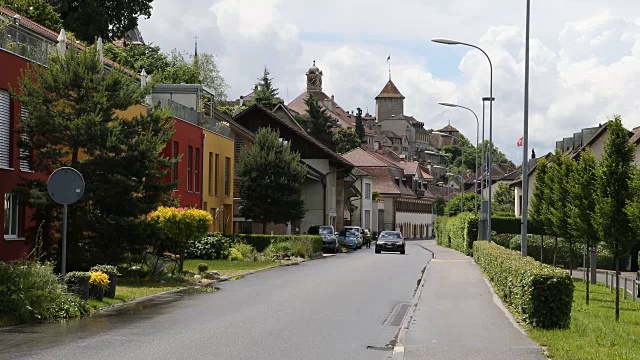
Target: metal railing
{"type": "Point", "coordinates": [634, 290]}
{"type": "Point", "coordinates": [195, 117]}
{"type": "Point", "coordinates": [15, 40]}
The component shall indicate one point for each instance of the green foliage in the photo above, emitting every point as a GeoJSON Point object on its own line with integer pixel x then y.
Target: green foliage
{"type": "Point", "coordinates": [262, 242]}
{"type": "Point", "coordinates": [540, 201]}
{"type": "Point", "coordinates": [303, 249]}
{"type": "Point", "coordinates": [73, 121]}
{"type": "Point", "coordinates": [203, 267]}
{"type": "Point", "coordinates": [539, 294]}
{"type": "Point", "coordinates": [247, 251]}
{"type": "Point", "coordinates": [458, 233]}
{"type": "Point", "coordinates": [318, 122]}
{"type": "Point", "coordinates": [375, 195]}
{"type": "Point", "coordinates": [30, 291]}
{"type": "Point", "coordinates": [453, 206]}
{"type": "Point", "coordinates": [37, 10]}
{"type": "Point", "coordinates": [138, 57]}
{"type": "Point", "coordinates": [107, 269]}
{"type": "Point", "coordinates": [235, 255]}
{"type": "Point", "coordinates": [230, 110]}
{"type": "Point", "coordinates": [360, 125]}
{"type": "Point", "coordinates": [210, 247]}
{"type": "Point", "coordinates": [265, 94]}
{"type": "Point", "coordinates": [560, 171]}
{"type": "Point", "coordinates": [440, 205]}
{"type": "Point", "coordinates": [76, 276]}
{"type": "Point", "coordinates": [110, 19]}
{"type": "Point", "coordinates": [270, 176]}
{"type": "Point", "coordinates": [346, 140]}
{"type": "Point", "coordinates": [503, 200]}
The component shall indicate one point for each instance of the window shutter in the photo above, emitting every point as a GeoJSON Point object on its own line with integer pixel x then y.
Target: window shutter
{"type": "Point", "coordinates": [5, 130]}
{"type": "Point", "coordinates": [24, 153]}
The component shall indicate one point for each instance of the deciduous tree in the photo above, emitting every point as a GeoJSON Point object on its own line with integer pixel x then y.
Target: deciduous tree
{"type": "Point", "coordinates": [346, 140]}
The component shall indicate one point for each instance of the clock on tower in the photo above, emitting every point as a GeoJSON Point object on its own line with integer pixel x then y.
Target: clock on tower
{"type": "Point", "coordinates": [314, 78]}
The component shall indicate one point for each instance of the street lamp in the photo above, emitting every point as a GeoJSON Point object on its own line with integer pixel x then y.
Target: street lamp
{"type": "Point", "coordinates": [453, 42]}
{"type": "Point", "coordinates": [475, 187]}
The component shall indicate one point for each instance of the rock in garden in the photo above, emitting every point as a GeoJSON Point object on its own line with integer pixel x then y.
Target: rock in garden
{"type": "Point", "coordinates": [211, 275]}
{"type": "Point", "coordinates": [197, 277]}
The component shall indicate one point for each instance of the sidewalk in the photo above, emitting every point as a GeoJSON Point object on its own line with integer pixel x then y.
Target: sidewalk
{"type": "Point", "coordinates": [458, 318]}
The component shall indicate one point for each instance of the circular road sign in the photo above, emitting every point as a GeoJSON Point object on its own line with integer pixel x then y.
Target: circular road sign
{"type": "Point", "coordinates": [65, 185]}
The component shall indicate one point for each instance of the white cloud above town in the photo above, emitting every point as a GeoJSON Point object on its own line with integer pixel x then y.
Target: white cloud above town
{"type": "Point", "coordinates": [585, 56]}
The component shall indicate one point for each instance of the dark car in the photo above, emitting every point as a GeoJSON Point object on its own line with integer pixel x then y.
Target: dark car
{"type": "Point", "coordinates": [329, 239]}
{"type": "Point", "coordinates": [390, 241]}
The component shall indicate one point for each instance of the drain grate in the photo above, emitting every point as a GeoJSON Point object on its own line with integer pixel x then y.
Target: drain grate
{"type": "Point", "coordinates": [380, 348]}
{"type": "Point", "coordinates": [396, 319]}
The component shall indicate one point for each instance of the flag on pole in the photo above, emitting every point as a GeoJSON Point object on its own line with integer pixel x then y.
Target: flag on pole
{"type": "Point", "coordinates": [519, 142]}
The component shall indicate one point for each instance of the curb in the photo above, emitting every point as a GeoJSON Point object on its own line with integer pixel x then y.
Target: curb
{"type": "Point", "coordinates": [433, 254]}
{"type": "Point", "coordinates": [398, 349]}
{"type": "Point", "coordinates": [210, 283]}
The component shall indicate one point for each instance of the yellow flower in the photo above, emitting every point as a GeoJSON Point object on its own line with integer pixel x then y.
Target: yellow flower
{"type": "Point", "coordinates": [99, 279]}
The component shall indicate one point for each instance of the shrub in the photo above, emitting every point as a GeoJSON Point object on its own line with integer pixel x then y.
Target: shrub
{"type": "Point", "coordinates": [99, 279]}
{"type": "Point", "coordinates": [203, 267]}
{"type": "Point", "coordinates": [31, 291]}
{"type": "Point", "coordinates": [302, 249]}
{"type": "Point", "coordinates": [541, 295]}
{"type": "Point", "coordinates": [211, 247]}
{"type": "Point", "coordinates": [107, 269]}
{"type": "Point", "coordinates": [245, 250]}
{"type": "Point", "coordinates": [457, 232]}
{"type": "Point", "coordinates": [440, 228]}
{"type": "Point", "coordinates": [234, 255]}
{"type": "Point", "coordinates": [261, 242]}
{"type": "Point", "coordinates": [281, 248]}
{"type": "Point", "coordinates": [76, 276]}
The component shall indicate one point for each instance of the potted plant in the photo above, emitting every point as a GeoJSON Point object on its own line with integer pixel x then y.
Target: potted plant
{"type": "Point", "coordinates": [78, 283]}
{"type": "Point", "coordinates": [98, 282]}
{"type": "Point", "coordinates": [112, 273]}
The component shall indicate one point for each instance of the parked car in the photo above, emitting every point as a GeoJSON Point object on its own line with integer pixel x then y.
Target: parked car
{"type": "Point", "coordinates": [390, 241]}
{"type": "Point", "coordinates": [348, 239]}
{"type": "Point", "coordinates": [359, 231]}
{"type": "Point", "coordinates": [329, 238]}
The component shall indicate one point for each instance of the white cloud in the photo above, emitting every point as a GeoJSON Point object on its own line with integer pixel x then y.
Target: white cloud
{"type": "Point", "coordinates": [585, 56]}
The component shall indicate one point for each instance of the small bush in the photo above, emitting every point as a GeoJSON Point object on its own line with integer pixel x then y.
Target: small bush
{"type": "Point", "coordinates": [76, 276]}
{"type": "Point", "coordinates": [30, 291]}
{"type": "Point", "coordinates": [211, 247]}
{"type": "Point", "coordinates": [235, 255]}
{"type": "Point", "coordinates": [107, 269]}
{"type": "Point", "coordinates": [541, 295]}
{"type": "Point", "coordinates": [261, 242]}
{"type": "Point", "coordinates": [301, 249]}
{"type": "Point", "coordinates": [247, 251]}
{"type": "Point", "coordinates": [99, 279]}
{"type": "Point", "coordinates": [203, 267]}
{"type": "Point", "coordinates": [281, 249]}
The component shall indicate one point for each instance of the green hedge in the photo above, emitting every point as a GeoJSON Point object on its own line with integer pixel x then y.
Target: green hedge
{"type": "Point", "coordinates": [539, 294]}
{"type": "Point", "coordinates": [458, 232]}
{"type": "Point", "coordinates": [260, 242]}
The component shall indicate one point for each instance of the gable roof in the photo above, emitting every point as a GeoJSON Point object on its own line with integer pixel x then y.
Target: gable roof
{"type": "Point", "coordinates": [635, 137]}
{"type": "Point", "coordinates": [383, 182]}
{"type": "Point", "coordinates": [361, 158]}
{"type": "Point", "coordinates": [449, 128]}
{"type": "Point", "coordinates": [390, 91]}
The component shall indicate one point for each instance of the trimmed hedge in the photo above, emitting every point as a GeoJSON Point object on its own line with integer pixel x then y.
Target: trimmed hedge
{"type": "Point", "coordinates": [541, 295]}
{"type": "Point", "coordinates": [260, 242]}
{"type": "Point", "coordinates": [458, 232]}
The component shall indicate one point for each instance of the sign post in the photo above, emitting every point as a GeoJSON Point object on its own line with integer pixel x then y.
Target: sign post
{"type": "Point", "coordinates": [65, 186]}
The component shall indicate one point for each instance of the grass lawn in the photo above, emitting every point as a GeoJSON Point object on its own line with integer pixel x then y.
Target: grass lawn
{"type": "Point", "coordinates": [227, 267]}
{"type": "Point", "coordinates": [131, 289]}
{"type": "Point", "coordinates": [594, 333]}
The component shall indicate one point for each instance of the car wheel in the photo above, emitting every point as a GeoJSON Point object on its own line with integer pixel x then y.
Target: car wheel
{"type": "Point", "coordinates": [402, 251]}
{"type": "Point", "coordinates": [378, 251]}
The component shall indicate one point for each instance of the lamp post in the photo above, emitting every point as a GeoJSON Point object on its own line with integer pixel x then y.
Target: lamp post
{"type": "Point", "coordinates": [475, 188]}
{"type": "Point", "coordinates": [525, 142]}
{"type": "Point", "coordinates": [453, 42]}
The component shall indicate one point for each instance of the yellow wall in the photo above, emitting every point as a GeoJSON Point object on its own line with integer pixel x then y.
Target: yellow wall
{"type": "Point", "coordinates": [224, 147]}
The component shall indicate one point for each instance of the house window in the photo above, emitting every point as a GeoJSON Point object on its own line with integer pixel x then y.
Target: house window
{"type": "Point", "coordinates": [367, 219]}
{"type": "Point", "coordinates": [227, 170]}
{"type": "Point", "coordinates": [11, 215]}
{"type": "Point", "coordinates": [5, 130]}
{"type": "Point", "coordinates": [25, 156]}
{"type": "Point", "coordinates": [196, 167]}
{"type": "Point", "coordinates": [174, 167]}
{"type": "Point", "coordinates": [210, 180]}
{"type": "Point", "coordinates": [189, 159]}
{"type": "Point", "coordinates": [216, 174]}
{"type": "Point", "coordinates": [367, 191]}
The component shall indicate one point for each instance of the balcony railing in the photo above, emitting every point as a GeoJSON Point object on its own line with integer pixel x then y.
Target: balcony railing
{"type": "Point", "coordinates": [197, 118]}
{"type": "Point", "coordinates": [15, 40]}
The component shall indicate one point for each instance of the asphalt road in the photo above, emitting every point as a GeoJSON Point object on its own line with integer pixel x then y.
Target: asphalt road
{"type": "Point", "coordinates": [332, 308]}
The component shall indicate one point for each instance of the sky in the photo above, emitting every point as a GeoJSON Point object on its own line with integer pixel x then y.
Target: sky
{"type": "Point", "coordinates": [584, 67]}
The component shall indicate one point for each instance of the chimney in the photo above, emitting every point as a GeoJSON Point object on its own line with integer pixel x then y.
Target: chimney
{"type": "Point", "coordinates": [533, 153]}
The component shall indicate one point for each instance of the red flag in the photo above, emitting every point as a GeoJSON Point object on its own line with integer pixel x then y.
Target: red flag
{"type": "Point", "coordinates": [519, 142]}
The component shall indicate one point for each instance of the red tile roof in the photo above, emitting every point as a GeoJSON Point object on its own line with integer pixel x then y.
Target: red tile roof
{"type": "Point", "coordinates": [448, 129]}
{"type": "Point", "coordinates": [390, 91]}
{"type": "Point", "coordinates": [383, 182]}
{"type": "Point", "coordinates": [362, 158]}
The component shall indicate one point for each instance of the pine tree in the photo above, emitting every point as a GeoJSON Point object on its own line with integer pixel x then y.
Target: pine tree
{"type": "Point", "coordinates": [265, 94]}
{"type": "Point", "coordinates": [73, 121]}
{"type": "Point", "coordinates": [359, 125]}
{"type": "Point", "coordinates": [582, 200]}
{"type": "Point", "coordinates": [270, 176]}
{"type": "Point", "coordinates": [614, 180]}
{"type": "Point", "coordinates": [318, 122]}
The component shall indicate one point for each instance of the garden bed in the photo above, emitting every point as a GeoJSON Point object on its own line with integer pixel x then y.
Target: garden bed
{"type": "Point", "coordinates": [131, 289]}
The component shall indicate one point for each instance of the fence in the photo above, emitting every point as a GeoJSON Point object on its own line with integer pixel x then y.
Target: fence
{"type": "Point", "coordinates": [14, 40]}
{"type": "Point", "coordinates": [635, 284]}
{"type": "Point", "coordinates": [195, 117]}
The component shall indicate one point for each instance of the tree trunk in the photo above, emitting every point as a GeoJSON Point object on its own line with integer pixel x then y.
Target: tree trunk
{"type": "Point", "coordinates": [617, 288]}
{"type": "Point", "coordinates": [571, 258]}
{"type": "Point", "coordinates": [542, 247]}
{"type": "Point", "coordinates": [264, 228]}
{"type": "Point", "coordinates": [587, 269]}
{"type": "Point", "coordinates": [555, 251]}
{"type": "Point", "coordinates": [181, 260]}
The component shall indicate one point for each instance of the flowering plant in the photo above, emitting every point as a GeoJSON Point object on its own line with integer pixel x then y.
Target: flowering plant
{"type": "Point", "coordinates": [99, 279]}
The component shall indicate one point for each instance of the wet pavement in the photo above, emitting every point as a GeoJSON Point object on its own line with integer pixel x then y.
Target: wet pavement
{"type": "Point", "coordinates": [343, 307]}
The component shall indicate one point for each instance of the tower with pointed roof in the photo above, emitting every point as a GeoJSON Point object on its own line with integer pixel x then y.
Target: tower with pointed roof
{"type": "Point", "coordinates": [389, 103]}
{"type": "Point", "coordinates": [314, 78]}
